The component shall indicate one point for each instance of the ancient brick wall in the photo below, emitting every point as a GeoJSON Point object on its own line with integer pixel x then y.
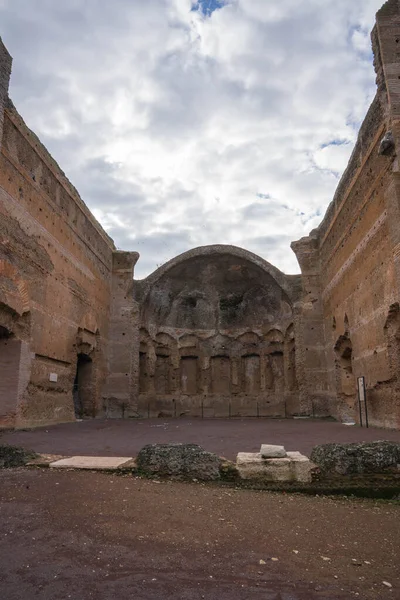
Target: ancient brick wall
{"type": "Point", "coordinates": [354, 257]}
{"type": "Point", "coordinates": [55, 277]}
{"type": "Point", "coordinates": [311, 359]}
{"type": "Point", "coordinates": [122, 386]}
{"type": "Point", "coordinates": [358, 287]}
{"type": "Point", "coordinates": [216, 331]}
{"type": "Point", "coordinates": [5, 71]}
{"type": "Point", "coordinates": [218, 337]}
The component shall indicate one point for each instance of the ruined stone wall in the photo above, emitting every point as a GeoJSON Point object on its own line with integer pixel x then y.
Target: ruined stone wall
{"type": "Point", "coordinates": [217, 337]}
{"type": "Point", "coordinates": [122, 386]}
{"type": "Point", "coordinates": [5, 70]}
{"type": "Point", "coordinates": [358, 286]}
{"type": "Point", "coordinates": [216, 331]}
{"type": "Point", "coordinates": [354, 253]}
{"type": "Point", "coordinates": [55, 277]}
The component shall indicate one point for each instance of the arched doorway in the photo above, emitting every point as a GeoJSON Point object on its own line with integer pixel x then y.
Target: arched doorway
{"type": "Point", "coordinates": [10, 358]}
{"type": "Point", "coordinates": [345, 379]}
{"type": "Point", "coordinates": [83, 393]}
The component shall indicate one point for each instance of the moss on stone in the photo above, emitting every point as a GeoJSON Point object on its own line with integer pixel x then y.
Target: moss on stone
{"type": "Point", "coordinates": [14, 456]}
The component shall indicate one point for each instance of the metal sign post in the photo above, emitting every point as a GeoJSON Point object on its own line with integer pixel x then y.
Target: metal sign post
{"type": "Point", "coordinates": [362, 400]}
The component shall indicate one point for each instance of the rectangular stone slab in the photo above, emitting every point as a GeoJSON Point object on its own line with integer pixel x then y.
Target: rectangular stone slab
{"type": "Point", "coordinates": [253, 466]}
{"type": "Point", "coordinates": [270, 451]}
{"type": "Point", "coordinates": [91, 462]}
{"type": "Point", "coordinates": [294, 467]}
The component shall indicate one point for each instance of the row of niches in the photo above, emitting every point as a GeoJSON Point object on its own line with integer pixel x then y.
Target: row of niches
{"type": "Point", "coordinates": [211, 341]}
{"type": "Point", "coordinates": [217, 365]}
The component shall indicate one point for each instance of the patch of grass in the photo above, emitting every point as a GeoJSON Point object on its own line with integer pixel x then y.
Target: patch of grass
{"type": "Point", "coordinates": [228, 471]}
{"type": "Point", "coordinates": [14, 456]}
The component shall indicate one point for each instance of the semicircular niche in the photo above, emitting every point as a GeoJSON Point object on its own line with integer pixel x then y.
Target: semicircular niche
{"type": "Point", "coordinates": [215, 339]}
{"type": "Point", "coordinates": [213, 293]}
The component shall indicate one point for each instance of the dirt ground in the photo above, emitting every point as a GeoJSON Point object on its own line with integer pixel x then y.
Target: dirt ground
{"type": "Point", "coordinates": [84, 535]}
{"type": "Point", "coordinates": [225, 437]}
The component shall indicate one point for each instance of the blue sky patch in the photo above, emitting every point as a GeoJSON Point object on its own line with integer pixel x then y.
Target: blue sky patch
{"type": "Point", "coordinates": [337, 142]}
{"type": "Point", "coordinates": [207, 7]}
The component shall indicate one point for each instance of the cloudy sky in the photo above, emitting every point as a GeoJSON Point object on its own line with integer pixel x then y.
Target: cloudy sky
{"type": "Point", "coordinates": [186, 123]}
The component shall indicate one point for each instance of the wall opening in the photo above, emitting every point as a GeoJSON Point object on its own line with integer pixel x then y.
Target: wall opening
{"type": "Point", "coordinates": [142, 372]}
{"type": "Point", "coordinates": [189, 374]}
{"type": "Point", "coordinates": [277, 364]}
{"type": "Point", "coordinates": [345, 379]}
{"type": "Point", "coordinates": [269, 374]}
{"type": "Point", "coordinates": [10, 358]}
{"type": "Point", "coordinates": [291, 378]}
{"type": "Point", "coordinates": [220, 375]}
{"type": "Point", "coordinates": [251, 375]}
{"type": "Point", "coordinates": [392, 334]}
{"type": "Point", "coordinates": [83, 393]}
{"type": "Point", "coordinates": [162, 374]}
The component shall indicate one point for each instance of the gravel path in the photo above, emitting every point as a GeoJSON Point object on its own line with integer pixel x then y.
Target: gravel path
{"type": "Point", "coordinates": [103, 537]}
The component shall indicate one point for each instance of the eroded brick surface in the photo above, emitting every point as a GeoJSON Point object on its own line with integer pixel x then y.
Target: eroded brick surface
{"type": "Point", "coordinates": [216, 331]}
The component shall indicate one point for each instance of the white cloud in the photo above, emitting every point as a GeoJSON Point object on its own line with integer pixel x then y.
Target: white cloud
{"type": "Point", "coordinates": [334, 157]}
{"type": "Point", "coordinates": [174, 126]}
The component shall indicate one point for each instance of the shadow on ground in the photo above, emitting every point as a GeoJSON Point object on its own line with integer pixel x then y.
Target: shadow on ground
{"type": "Point", "coordinates": [225, 437]}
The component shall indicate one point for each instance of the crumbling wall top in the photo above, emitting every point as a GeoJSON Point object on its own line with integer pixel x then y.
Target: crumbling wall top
{"type": "Point", "coordinates": [5, 73]}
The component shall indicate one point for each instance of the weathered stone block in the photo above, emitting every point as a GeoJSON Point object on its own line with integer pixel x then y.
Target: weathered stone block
{"type": "Point", "coordinates": [253, 466]}
{"type": "Point", "coordinates": [271, 451]}
{"type": "Point", "coordinates": [356, 458]}
{"type": "Point", "coordinates": [96, 463]}
{"type": "Point", "coordinates": [295, 467]}
{"type": "Point", "coordinates": [182, 461]}
{"type": "Point", "coordinates": [302, 467]}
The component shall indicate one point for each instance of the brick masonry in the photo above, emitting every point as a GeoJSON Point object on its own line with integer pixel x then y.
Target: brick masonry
{"type": "Point", "coordinates": [5, 72]}
{"type": "Point", "coordinates": [217, 331]}
{"type": "Point", "coordinates": [353, 255]}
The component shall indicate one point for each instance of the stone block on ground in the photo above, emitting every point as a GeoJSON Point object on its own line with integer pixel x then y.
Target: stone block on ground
{"type": "Point", "coordinates": [271, 451]}
{"type": "Point", "coordinates": [302, 467]}
{"type": "Point", "coordinates": [294, 467]}
{"type": "Point", "coordinates": [181, 461]}
{"type": "Point", "coordinates": [98, 463]}
{"type": "Point", "coordinates": [356, 458]}
{"type": "Point", "coordinates": [253, 466]}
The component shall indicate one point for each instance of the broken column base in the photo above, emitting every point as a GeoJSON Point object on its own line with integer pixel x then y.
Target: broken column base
{"type": "Point", "coordinates": [294, 467]}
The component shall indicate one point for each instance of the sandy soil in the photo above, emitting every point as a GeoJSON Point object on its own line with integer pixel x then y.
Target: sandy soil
{"type": "Point", "coordinates": [84, 535]}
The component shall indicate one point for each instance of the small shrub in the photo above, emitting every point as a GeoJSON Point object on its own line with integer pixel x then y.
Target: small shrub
{"type": "Point", "coordinates": [14, 456]}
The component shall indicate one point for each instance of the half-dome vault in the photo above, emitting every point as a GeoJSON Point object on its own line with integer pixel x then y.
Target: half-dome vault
{"type": "Point", "coordinates": [217, 335]}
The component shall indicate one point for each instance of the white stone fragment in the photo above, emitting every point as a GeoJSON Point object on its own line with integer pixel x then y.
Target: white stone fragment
{"type": "Point", "coordinates": [294, 467]}
{"type": "Point", "coordinates": [253, 466]}
{"type": "Point", "coordinates": [91, 462]}
{"type": "Point", "coordinates": [270, 451]}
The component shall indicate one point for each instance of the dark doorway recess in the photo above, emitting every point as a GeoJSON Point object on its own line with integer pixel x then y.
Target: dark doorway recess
{"type": "Point", "coordinates": [83, 387]}
{"type": "Point", "coordinates": [10, 358]}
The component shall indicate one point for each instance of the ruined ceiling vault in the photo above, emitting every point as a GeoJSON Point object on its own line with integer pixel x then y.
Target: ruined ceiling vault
{"type": "Point", "coordinates": [215, 288]}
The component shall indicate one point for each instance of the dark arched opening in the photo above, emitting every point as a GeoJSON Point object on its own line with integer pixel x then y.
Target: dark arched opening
{"type": "Point", "coordinates": [84, 401]}
{"type": "Point", "coordinates": [10, 358]}
{"type": "Point", "coordinates": [345, 379]}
